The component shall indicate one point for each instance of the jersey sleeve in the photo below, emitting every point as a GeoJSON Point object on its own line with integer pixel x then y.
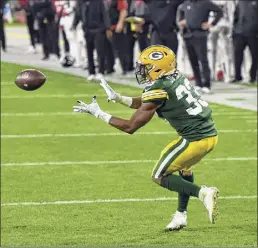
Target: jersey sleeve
{"type": "Point", "coordinates": [154, 95]}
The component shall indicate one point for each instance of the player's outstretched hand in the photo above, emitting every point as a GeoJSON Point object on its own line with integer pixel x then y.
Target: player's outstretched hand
{"type": "Point", "coordinates": [112, 95]}
{"type": "Point", "coordinates": [92, 108]}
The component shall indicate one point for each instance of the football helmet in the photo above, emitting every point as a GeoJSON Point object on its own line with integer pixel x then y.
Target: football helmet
{"type": "Point", "coordinates": [155, 62]}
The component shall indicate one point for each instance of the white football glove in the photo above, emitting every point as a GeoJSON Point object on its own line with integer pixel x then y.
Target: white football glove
{"type": "Point", "coordinates": [112, 95]}
{"type": "Point", "coordinates": [92, 108]}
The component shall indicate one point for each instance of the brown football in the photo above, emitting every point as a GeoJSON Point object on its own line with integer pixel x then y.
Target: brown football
{"type": "Point", "coordinates": [30, 79]}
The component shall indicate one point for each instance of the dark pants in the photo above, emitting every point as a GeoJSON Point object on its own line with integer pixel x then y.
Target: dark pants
{"type": "Point", "coordinates": [197, 52]}
{"type": "Point", "coordinates": [240, 42]}
{"type": "Point", "coordinates": [130, 46]}
{"type": "Point", "coordinates": [143, 40]}
{"type": "Point", "coordinates": [34, 34]}
{"type": "Point", "coordinates": [49, 38]}
{"type": "Point", "coordinates": [120, 43]}
{"type": "Point", "coordinates": [110, 57]}
{"type": "Point", "coordinates": [2, 33]}
{"type": "Point", "coordinates": [166, 39]}
{"type": "Point", "coordinates": [96, 40]}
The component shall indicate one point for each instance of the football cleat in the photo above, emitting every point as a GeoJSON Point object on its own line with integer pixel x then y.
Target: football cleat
{"type": "Point", "coordinates": [31, 50]}
{"type": "Point", "coordinates": [209, 197]}
{"type": "Point", "coordinates": [206, 90]}
{"type": "Point", "coordinates": [178, 222]}
{"type": "Point", "coordinates": [91, 77]}
{"type": "Point", "coordinates": [67, 60]}
{"type": "Point", "coordinates": [198, 88]}
{"type": "Point", "coordinates": [99, 76]}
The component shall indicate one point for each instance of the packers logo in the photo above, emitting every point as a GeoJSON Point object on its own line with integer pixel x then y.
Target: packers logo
{"type": "Point", "coordinates": [156, 55]}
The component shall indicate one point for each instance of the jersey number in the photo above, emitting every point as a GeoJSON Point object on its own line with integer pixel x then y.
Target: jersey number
{"type": "Point", "coordinates": [187, 89]}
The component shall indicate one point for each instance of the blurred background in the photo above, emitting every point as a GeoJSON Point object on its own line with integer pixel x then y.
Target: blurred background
{"type": "Point", "coordinates": [103, 38]}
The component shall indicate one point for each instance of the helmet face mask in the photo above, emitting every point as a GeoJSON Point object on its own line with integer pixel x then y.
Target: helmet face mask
{"type": "Point", "coordinates": [142, 73]}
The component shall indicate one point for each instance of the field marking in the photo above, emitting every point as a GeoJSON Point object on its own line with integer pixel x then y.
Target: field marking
{"type": "Point", "coordinates": [3, 83]}
{"type": "Point", "coordinates": [217, 113]}
{"type": "Point", "coordinates": [55, 113]}
{"type": "Point", "coordinates": [250, 117]}
{"type": "Point", "coordinates": [117, 162]}
{"type": "Point", "coordinates": [116, 201]}
{"type": "Point", "coordinates": [29, 96]}
{"type": "Point", "coordinates": [54, 135]}
{"type": "Point", "coordinates": [251, 121]}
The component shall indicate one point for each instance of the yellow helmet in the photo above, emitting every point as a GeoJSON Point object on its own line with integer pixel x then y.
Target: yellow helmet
{"type": "Point", "coordinates": [155, 62]}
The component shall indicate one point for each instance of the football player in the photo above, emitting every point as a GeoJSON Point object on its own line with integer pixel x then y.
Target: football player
{"type": "Point", "coordinates": [169, 94]}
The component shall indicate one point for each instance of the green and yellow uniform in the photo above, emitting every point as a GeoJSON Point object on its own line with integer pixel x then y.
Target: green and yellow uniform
{"type": "Point", "coordinates": [182, 107]}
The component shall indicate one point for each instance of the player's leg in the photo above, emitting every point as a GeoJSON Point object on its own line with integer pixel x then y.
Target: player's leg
{"type": "Point", "coordinates": [179, 219]}
{"type": "Point", "coordinates": [189, 44]}
{"type": "Point", "coordinates": [191, 156]}
{"type": "Point", "coordinates": [166, 179]}
{"type": "Point", "coordinates": [181, 155]}
{"type": "Point", "coordinates": [174, 182]}
{"type": "Point", "coordinates": [183, 199]}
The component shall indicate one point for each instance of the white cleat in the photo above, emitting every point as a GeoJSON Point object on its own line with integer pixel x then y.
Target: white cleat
{"type": "Point", "coordinates": [91, 77]}
{"type": "Point", "coordinates": [209, 197]}
{"type": "Point", "coordinates": [31, 50]}
{"type": "Point", "coordinates": [206, 90]}
{"type": "Point", "coordinates": [198, 88]}
{"type": "Point", "coordinates": [178, 222]}
{"type": "Point", "coordinates": [99, 76]}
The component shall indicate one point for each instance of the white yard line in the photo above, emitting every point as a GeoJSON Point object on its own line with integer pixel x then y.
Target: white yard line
{"type": "Point", "coordinates": [251, 117]}
{"type": "Point", "coordinates": [4, 83]}
{"type": "Point", "coordinates": [117, 162]}
{"type": "Point", "coordinates": [32, 96]}
{"type": "Point", "coordinates": [117, 201]}
{"type": "Point", "coordinates": [54, 113]}
{"type": "Point", "coordinates": [236, 115]}
{"type": "Point", "coordinates": [66, 135]}
{"type": "Point", "coordinates": [251, 121]}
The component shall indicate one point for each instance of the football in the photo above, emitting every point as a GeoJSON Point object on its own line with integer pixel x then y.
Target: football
{"type": "Point", "coordinates": [30, 79]}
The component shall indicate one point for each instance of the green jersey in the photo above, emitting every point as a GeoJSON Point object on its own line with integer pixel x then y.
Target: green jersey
{"type": "Point", "coordinates": [182, 106]}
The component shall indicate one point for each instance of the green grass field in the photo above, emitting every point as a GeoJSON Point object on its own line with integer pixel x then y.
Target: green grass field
{"type": "Point", "coordinates": [96, 183]}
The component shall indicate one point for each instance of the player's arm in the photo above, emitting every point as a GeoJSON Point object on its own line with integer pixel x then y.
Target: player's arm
{"type": "Point", "coordinates": [136, 102]}
{"type": "Point", "coordinates": [140, 118]}
{"type": "Point", "coordinates": [131, 102]}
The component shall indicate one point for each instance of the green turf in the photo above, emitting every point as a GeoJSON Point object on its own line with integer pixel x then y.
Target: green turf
{"type": "Point", "coordinates": [120, 223]}
{"type": "Point", "coordinates": [15, 24]}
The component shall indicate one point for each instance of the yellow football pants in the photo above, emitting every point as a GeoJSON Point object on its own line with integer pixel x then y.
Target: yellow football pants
{"type": "Point", "coordinates": [182, 154]}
